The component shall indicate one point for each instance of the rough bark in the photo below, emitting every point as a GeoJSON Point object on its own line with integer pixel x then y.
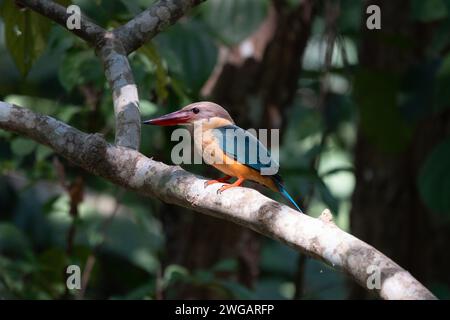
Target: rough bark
{"type": "Point", "coordinates": [319, 238]}
{"type": "Point", "coordinates": [89, 31]}
{"type": "Point", "coordinates": [125, 95]}
{"type": "Point", "coordinates": [147, 24]}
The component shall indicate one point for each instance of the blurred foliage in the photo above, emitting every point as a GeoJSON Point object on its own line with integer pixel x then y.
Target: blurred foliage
{"type": "Point", "coordinates": [49, 70]}
{"type": "Point", "coordinates": [233, 21]}
{"type": "Point", "coordinates": [427, 11]}
{"type": "Point", "coordinates": [190, 53]}
{"type": "Point", "coordinates": [26, 35]}
{"type": "Point", "coordinates": [434, 180]}
{"type": "Point", "coordinates": [396, 131]}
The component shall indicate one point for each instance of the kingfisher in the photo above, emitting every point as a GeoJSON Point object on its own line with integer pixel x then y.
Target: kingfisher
{"type": "Point", "coordinates": [230, 149]}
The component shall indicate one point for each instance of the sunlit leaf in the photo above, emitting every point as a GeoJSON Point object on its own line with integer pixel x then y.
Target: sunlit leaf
{"type": "Point", "coordinates": [147, 108]}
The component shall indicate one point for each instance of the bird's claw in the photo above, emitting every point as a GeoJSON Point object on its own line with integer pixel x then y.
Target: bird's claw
{"type": "Point", "coordinates": [210, 182]}
{"type": "Point", "coordinates": [220, 180]}
{"type": "Point", "coordinates": [229, 186]}
{"type": "Point", "coordinates": [223, 188]}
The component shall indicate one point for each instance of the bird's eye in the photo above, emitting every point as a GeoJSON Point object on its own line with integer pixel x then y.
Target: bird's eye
{"type": "Point", "coordinates": [195, 110]}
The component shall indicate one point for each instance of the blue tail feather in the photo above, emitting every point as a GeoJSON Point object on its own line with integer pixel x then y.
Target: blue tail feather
{"type": "Point", "coordinates": [288, 197]}
{"type": "Point", "coordinates": [284, 192]}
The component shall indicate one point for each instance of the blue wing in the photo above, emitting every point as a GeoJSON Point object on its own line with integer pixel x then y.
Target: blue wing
{"type": "Point", "coordinates": [245, 148]}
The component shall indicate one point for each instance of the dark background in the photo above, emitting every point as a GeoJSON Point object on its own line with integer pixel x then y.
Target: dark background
{"type": "Point", "coordinates": [364, 122]}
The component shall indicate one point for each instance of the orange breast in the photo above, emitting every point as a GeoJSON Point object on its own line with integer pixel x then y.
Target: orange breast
{"type": "Point", "coordinates": [235, 169]}
{"type": "Point", "coordinates": [226, 164]}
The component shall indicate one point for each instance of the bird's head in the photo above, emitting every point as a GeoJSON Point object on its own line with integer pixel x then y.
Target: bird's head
{"type": "Point", "coordinates": [192, 113]}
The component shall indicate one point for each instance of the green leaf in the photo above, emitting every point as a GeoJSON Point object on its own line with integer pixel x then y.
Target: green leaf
{"type": "Point", "coordinates": [41, 105]}
{"type": "Point", "coordinates": [42, 152]}
{"type": "Point", "coordinates": [125, 239]}
{"type": "Point", "coordinates": [428, 10]}
{"type": "Point", "coordinates": [22, 147]}
{"type": "Point", "coordinates": [174, 272]}
{"type": "Point", "coordinates": [5, 134]}
{"type": "Point", "coordinates": [26, 35]}
{"type": "Point", "coordinates": [442, 94]}
{"type": "Point", "coordinates": [162, 78]}
{"type": "Point", "coordinates": [147, 108]}
{"type": "Point", "coordinates": [226, 265]}
{"type": "Point", "coordinates": [190, 53]}
{"type": "Point", "coordinates": [234, 20]}
{"type": "Point", "coordinates": [142, 292]}
{"type": "Point", "coordinates": [46, 106]}
{"type": "Point", "coordinates": [48, 206]}
{"type": "Point", "coordinates": [65, 113]}
{"type": "Point", "coordinates": [12, 239]}
{"type": "Point", "coordinates": [51, 275]}
{"type": "Point", "coordinates": [445, 67]}
{"type": "Point", "coordinates": [235, 289]}
{"type": "Point", "coordinates": [133, 7]}
{"type": "Point", "coordinates": [434, 179]}
{"type": "Point", "coordinates": [350, 16]}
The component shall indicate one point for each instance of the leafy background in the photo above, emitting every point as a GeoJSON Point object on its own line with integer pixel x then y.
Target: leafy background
{"type": "Point", "coordinates": [120, 234]}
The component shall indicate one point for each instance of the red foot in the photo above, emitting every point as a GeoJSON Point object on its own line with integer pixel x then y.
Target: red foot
{"type": "Point", "coordinates": [220, 180]}
{"type": "Point", "coordinates": [237, 183]}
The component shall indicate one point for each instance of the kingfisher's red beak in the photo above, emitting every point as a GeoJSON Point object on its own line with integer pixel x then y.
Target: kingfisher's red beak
{"type": "Point", "coordinates": [171, 119]}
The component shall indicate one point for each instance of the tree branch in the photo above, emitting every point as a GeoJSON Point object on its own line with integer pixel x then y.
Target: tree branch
{"type": "Point", "coordinates": [117, 71]}
{"type": "Point", "coordinates": [89, 31]}
{"type": "Point", "coordinates": [113, 48]}
{"type": "Point", "coordinates": [318, 238]}
{"type": "Point", "coordinates": [148, 23]}
{"type": "Point", "coordinates": [125, 94]}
